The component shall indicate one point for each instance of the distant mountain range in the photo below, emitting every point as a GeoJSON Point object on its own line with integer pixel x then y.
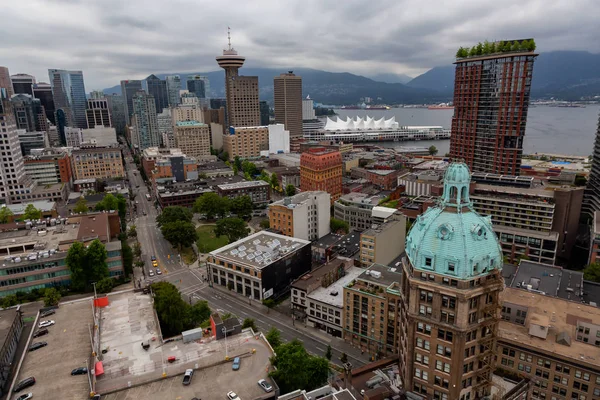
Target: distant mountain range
{"type": "Point", "coordinates": [566, 75]}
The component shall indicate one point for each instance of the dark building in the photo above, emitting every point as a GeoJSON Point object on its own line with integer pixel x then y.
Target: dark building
{"type": "Point", "coordinates": [264, 113]}
{"type": "Point", "coordinates": [215, 104]}
{"type": "Point", "coordinates": [11, 325]}
{"type": "Point", "coordinates": [43, 92]}
{"type": "Point", "coordinates": [116, 106]}
{"type": "Point", "coordinates": [98, 113]}
{"type": "Point", "coordinates": [197, 86]}
{"type": "Point", "coordinates": [260, 266]}
{"type": "Point", "coordinates": [158, 88]}
{"type": "Point", "coordinates": [491, 100]}
{"type": "Point", "coordinates": [128, 90]}
{"type": "Point", "coordinates": [23, 83]}
{"type": "Point", "coordinates": [29, 113]}
{"type": "Point", "coordinates": [68, 91]}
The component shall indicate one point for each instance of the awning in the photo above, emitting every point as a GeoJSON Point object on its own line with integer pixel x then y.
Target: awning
{"type": "Point", "coordinates": [99, 368]}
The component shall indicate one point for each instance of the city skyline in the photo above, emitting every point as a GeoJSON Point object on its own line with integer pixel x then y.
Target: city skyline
{"type": "Point", "coordinates": [131, 47]}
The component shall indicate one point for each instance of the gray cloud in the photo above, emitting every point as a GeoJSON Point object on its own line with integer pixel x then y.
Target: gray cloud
{"type": "Point", "coordinates": [112, 40]}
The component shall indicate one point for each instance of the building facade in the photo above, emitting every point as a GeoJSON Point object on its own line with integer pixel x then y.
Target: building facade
{"type": "Point", "coordinates": [193, 138]}
{"type": "Point", "coordinates": [287, 100]}
{"type": "Point", "coordinates": [158, 88]}
{"type": "Point", "coordinates": [11, 323]}
{"type": "Point", "coordinates": [49, 167]}
{"type": "Point", "coordinates": [29, 113]}
{"type": "Point", "coordinates": [305, 215]}
{"type": "Point", "coordinates": [321, 169]}
{"type": "Point", "coordinates": [43, 92]}
{"type": "Point", "coordinates": [32, 140]}
{"type": "Point", "coordinates": [591, 200]}
{"type": "Point", "coordinates": [23, 83]}
{"type": "Point", "coordinates": [173, 88]}
{"type": "Point", "coordinates": [97, 163]}
{"type": "Point", "coordinates": [98, 113]}
{"type": "Point", "coordinates": [259, 191]}
{"type": "Point", "coordinates": [356, 209]}
{"type": "Point", "coordinates": [165, 128]}
{"type": "Point", "coordinates": [68, 91]}
{"type": "Point", "coordinates": [5, 83]}
{"type": "Point", "coordinates": [145, 122]}
{"type": "Point", "coordinates": [246, 142]}
{"type": "Point", "coordinates": [196, 85]}
{"type": "Point", "coordinates": [116, 106]}
{"type": "Point", "coordinates": [130, 88]}
{"type": "Point", "coordinates": [375, 242]}
{"type": "Point", "coordinates": [491, 100]}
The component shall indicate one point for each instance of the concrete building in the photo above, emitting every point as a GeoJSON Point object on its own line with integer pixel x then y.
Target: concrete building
{"type": "Point", "coordinates": [46, 207]}
{"type": "Point", "coordinates": [488, 133]}
{"type": "Point", "coordinates": [420, 183]}
{"type": "Point", "coordinates": [99, 136]}
{"type": "Point", "coordinates": [246, 142]}
{"type": "Point", "coordinates": [356, 209]}
{"type": "Point", "coordinates": [287, 100]}
{"type": "Point", "coordinates": [187, 112]}
{"type": "Point", "coordinates": [308, 109]}
{"type": "Point", "coordinates": [265, 113]}
{"type": "Point", "coordinates": [260, 266]}
{"type": "Point", "coordinates": [279, 139]}
{"type": "Point", "coordinates": [48, 167]}
{"type": "Point", "coordinates": [158, 89]}
{"type": "Point", "coordinates": [383, 243]}
{"type": "Point", "coordinates": [43, 92]}
{"type": "Point", "coordinates": [173, 88]}
{"type": "Point", "coordinates": [175, 169]}
{"type": "Point", "coordinates": [11, 326]}
{"type": "Point", "coordinates": [32, 140]}
{"type": "Point", "coordinates": [73, 137]}
{"type": "Point", "coordinates": [165, 128]}
{"type": "Point", "coordinates": [37, 261]}
{"type": "Point", "coordinates": [591, 200]}
{"type": "Point", "coordinates": [97, 163]}
{"type": "Point", "coordinates": [321, 169]}
{"type": "Point", "coordinates": [241, 92]}
{"type": "Point", "coordinates": [5, 83]}
{"type": "Point", "coordinates": [144, 121]}
{"type": "Point", "coordinates": [116, 106]}
{"type": "Point", "coordinates": [193, 138]}
{"type": "Point", "coordinates": [130, 88]}
{"type": "Point", "coordinates": [383, 179]}
{"type": "Point", "coordinates": [259, 191]}
{"type": "Point", "coordinates": [29, 113]}
{"type": "Point", "coordinates": [304, 216]}
{"type": "Point", "coordinates": [173, 195]}
{"type": "Point", "coordinates": [151, 154]}
{"type": "Point", "coordinates": [22, 84]}
{"type": "Point", "coordinates": [98, 113]}
{"type": "Point", "coordinates": [216, 136]}
{"type": "Point", "coordinates": [68, 91]}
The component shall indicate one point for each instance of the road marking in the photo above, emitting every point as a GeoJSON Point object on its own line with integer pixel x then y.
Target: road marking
{"type": "Point", "coordinates": [317, 347]}
{"type": "Point", "coordinates": [301, 340]}
{"type": "Point", "coordinates": [258, 319]}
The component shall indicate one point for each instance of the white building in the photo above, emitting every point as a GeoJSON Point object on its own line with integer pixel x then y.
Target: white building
{"type": "Point", "coordinates": [305, 215]}
{"type": "Point", "coordinates": [308, 109]}
{"type": "Point", "coordinates": [279, 139]}
{"type": "Point", "coordinates": [100, 136]}
{"type": "Point", "coordinates": [165, 128]}
{"type": "Point", "coordinates": [73, 136]}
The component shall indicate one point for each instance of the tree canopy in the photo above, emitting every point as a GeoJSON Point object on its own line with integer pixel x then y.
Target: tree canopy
{"type": "Point", "coordinates": [212, 205]}
{"type": "Point", "coordinates": [180, 233]}
{"type": "Point", "coordinates": [173, 214]}
{"type": "Point", "coordinates": [249, 323]}
{"type": "Point", "coordinates": [31, 212]}
{"type": "Point", "coordinates": [592, 272]}
{"type": "Point", "coordinates": [87, 265]}
{"type": "Point", "coordinates": [290, 190]}
{"type": "Point", "coordinates": [298, 369]}
{"type": "Point", "coordinates": [51, 297]}
{"type": "Point", "coordinates": [274, 337]}
{"type": "Point", "coordinates": [432, 150]}
{"type": "Point", "coordinates": [486, 48]}
{"type": "Point", "coordinates": [242, 206]}
{"type": "Point", "coordinates": [337, 225]}
{"type": "Point", "coordinates": [81, 205]}
{"type": "Point", "coordinates": [5, 214]}
{"type": "Point", "coordinates": [233, 228]}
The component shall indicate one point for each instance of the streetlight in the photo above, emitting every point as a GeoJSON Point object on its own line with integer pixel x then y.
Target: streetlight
{"type": "Point", "coordinates": [224, 330]}
{"type": "Point", "coordinates": [95, 295]}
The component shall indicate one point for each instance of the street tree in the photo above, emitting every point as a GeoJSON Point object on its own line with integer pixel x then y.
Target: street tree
{"type": "Point", "coordinates": [127, 254]}
{"type": "Point", "coordinates": [295, 368]}
{"type": "Point", "coordinates": [81, 205]}
{"type": "Point", "coordinates": [198, 313]}
{"type": "Point", "coordinates": [132, 232]}
{"type": "Point", "coordinates": [290, 190]}
{"type": "Point", "coordinates": [95, 258]}
{"type": "Point", "coordinates": [5, 214]}
{"type": "Point", "coordinates": [337, 225]}
{"type": "Point", "coordinates": [237, 162]}
{"type": "Point", "coordinates": [234, 228]}
{"type": "Point", "coordinates": [51, 297]}
{"type": "Point", "coordinates": [172, 311]}
{"type": "Point", "coordinates": [274, 337]}
{"type": "Point", "coordinates": [212, 205]}
{"type": "Point", "coordinates": [108, 203]}
{"type": "Point", "coordinates": [265, 224]}
{"type": "Point", "coordinates": [592, 272]}
{"type": "Point", "coordinates": [242, 206]}
{"type": "Point", "coordinates": [174, 213]}
{"type": "Point", "coordinates": [328, 353]}
{"type": "Point", "coordinates": [249, 323]}
{"type": "Point", "coordinates": [31, 212]}
{"type": "Point", "coordinates": [180, 233]}
{"type": "Point", "coordinates": [432, 150]}
{"type": "Point", "coordinates": [274, 181]}
{"type": "Point", "coordinates": [344, 358]}
{"type": "Point", "coordinates": [77, 266]}
{"type": "Point", "coordinates": [105, 285]}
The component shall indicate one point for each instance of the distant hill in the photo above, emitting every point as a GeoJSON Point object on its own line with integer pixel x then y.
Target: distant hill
{"type": "Point", "coordinates": [567, 75]}
{"type": "Point", "coordinates": [391, 78]}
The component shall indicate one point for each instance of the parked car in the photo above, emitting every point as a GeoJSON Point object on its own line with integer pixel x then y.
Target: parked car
{"type": "Point", "coordinates": [236, 364]}
{"type": "Point", "coordinates": [232, 396]}
{"type": "Point", "coordinates": [187, 377]}
{"type": "Point", "coordinates": [40, 332]}
{"type": "Point", "coordinates": [151, 273]}
{"type": "Point", "coordinates": [266, 386]}
{"type": "Point", "coordinates": [25, 396]}
{"type": "Point", "coordinates": [158, 271]}
{"type": "Point", "coordinates": [25, 383]}
{"type": "Point", "coordinates": [45, 324]}
{"type": "Point", "coordinates": [79, 371]}
{"type": "Point", "coordinates": [47, 313]}
{"type": "Point", "coordinates": [37, 345]}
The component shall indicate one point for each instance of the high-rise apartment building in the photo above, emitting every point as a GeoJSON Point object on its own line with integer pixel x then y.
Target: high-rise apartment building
{"type": "Point", "coordinates": [165, 128]}
{"type": "Point", "coordinates": [188, 112]}
{"type": "Point", "coordinates": [116, 106]}
{"type": "Point", "coordinates": [196, 85]}
{"type": "Point", "coordinates": [29, 113]}
{"type": "Point", "coordinates": [23, 83]}
{"type": "Point", "coordinates": [305, 215]}
{"type": "Point", "coordinates": [43, 92]}
{"type": "Point", "coordinates": [287, 98]}
{"type": "Point", "coordinates": [491, 100]}
{"type": "Point", "coordinates": [145, 122]}
{"type": "Point", "coordinates": [5, 82]}
{"type": "Point", "coordinates": [129, 89]}
{"type": "Point", "coordinates": [193, 138]}
{"type": "Point", "coordinates": [241, 92]}
{"type": "Point", "coordinates": [68, 91]}
{"type": "Point", "coordinates": [591, 198]}
{"type": "Point", "coordinates": [173, 88]}
{"type": "Point", "coordinates": [158, 88]}
{"type": "Point", "coordinates": [321, 169]}
{"type": "Point", "coordinates": [98, 113]}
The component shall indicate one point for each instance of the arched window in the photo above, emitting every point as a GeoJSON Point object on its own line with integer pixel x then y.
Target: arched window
{"type": "Point", "coordinates": [464, 194]}
{"type": "Point", "coordinates": [453, 193]}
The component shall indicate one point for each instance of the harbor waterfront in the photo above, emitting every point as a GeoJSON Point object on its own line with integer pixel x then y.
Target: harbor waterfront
{"type": "Point", "coordinates": [555, 130]}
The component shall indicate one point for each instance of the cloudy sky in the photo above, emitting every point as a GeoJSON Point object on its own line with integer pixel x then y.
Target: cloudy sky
{"type": "Point", "coordinates": [112, 40]}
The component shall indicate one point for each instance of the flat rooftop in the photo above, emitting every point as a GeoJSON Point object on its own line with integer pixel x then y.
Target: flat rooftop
{"type": "Point", "coordinates": [68, 348]}
{"type": "Point", "coordinates": [324, 294]}
{"type": "Point", "coordinates": [313, 278]}
{"type": "Point", "coordinates": [298, 199]}
{"type": "Point", "coordinates": [384, 276]}
{"type": "Point", "coordinates": [361, 198]}
{"type": "Point", "coordinates": [327, 241]}
{"type": "Point", "coordinates": [42, 205]}
{"type": "Point", "coordinates": [7, 317]}
{"type": "Point", "coordinates": [548, 279]}
{"type": "Point", "coordinates": [563, 316]}
{"type": "Point", "coordinates": [260, 249]}
{"type": "Point", "coordinates": [242, 185]}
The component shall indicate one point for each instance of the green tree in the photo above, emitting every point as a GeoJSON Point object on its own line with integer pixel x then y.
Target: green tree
{"type": "Point", "coordinates": [249, 168]}
{"type": "Point", "coordinates": [298, 369]}
{"type": "Point", "coordinates": [344, 358]}
{"type": "Point", "coordinates": [235, 169]}
{"type": "Point", "coordinates": [432, 150]}
{"type": "Point", "coordinates": [265, 224]}
{"type": "Point", "coordinates": [212, 205]}
{"type": "Point", "coordinates": [580, 180]}
{"type": "Point", "coordinates": [132, 232]}
{"type": "Point", "coordinates": [274, 181]}
{"type": "Point", "coordinates": [233, 228]}
{"type": "Point", "coordinates": [137, 249]}
{"type": "Point", "coordinates": [9, 301]}
{"type": "Point", "coordinates": [237, 162]}
{"type": "Point", "coordinates": [290, 190]}
{"type": "Point", "coordinates": [81, 205]}
{"type": "Point", "coordinates": [274, 337]}
{"type": "Point", "coordinates": [592, 272]}
{"type": "Point", "coordinates": [95, 258]}
{"type": "Point", "coordinates": [127, 254]}
{"type": "Point", "coordinates": [172, 311]}
{"type": "Point", "coordinates": [179, 233]}
{"type": "Point", "coordinates": [242, 206]}
{"type": "Point", "coordinates": [198, 313]}
{"type": "Point", "coordinates": [5, 214]}
{"type": "Point", "coordinates": [328, 353]}
{"type": "Point", "coordinates": [108, 203]}
{"type": "Point", "coordinates": [51, 297]}
{"type": "Point", "coordinates": [174, 213]}
{"type": "Point", "coordinates": [337, 225]}
{"type": "Point", "coordinates": [249, 323]}
{"type": "Point", "coordinates": [77, 266]}
{"type": "Point", "coordinates": [105, 285]}
{"type": "Point", "coordinates": [224, 156]}
{"type": "Point", "coordinates": [31, 212]}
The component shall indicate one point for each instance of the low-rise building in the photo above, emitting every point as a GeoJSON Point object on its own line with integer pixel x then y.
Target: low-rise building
{"type": "Point", "coordinates": [279, 139]}
{"type": "Point", "coordinates": [420, 183]}
{"type": "Point", "coordinates": [151, 154]}
{"type": "Point", "coordinates": [214, 169]}
{"type": "Point", "coordinates": [356, 209]}
{"type": "Point", "coordinates": [11, 326]}
{"type": "Point", "coordinates": [177, 168]}
{"type": "Point", "coordinates": [259, 191]}
{"type": "Point", "coordinates": [32, 140]}
{"type": "Point", "coordinates": [383, 243]}
{"type": "Point", "coordinates": [36, 258]}
{"type": "Point", "coordinates": [183, 197]}
{"type": "Point", "coordinates": [383, 179]}
{"type": "Point", "coordinates": [193, 138]}
{"type": "Point", "coordinates": [246, 142]}
{"type": "Point", "coordinates": [305, 216]}
{"type": "Point", "coordinates": [99, 136]}
{"type": "Point", "coordinates": [97, 163]}
{"type": "Point", "coordinates": [260, 266]}
{"type": "Point", "coordinates": [46, 207]}
{"type": "Point", "coordinates": [57, 192]}
{"type": "Point", "coordinates": [48, 167]}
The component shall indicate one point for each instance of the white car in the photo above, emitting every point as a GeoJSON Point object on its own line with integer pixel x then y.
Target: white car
{"type": "Point", "coordinates": [232, 396]}
{"type": "Point", "coordinates": [45, 324]}
{"type": "Point", "coordinates": [266, 386]}
{"type": "Point", "coordinates": [25, 396]}
{"type": "Point", "coordinates": [151, 273]}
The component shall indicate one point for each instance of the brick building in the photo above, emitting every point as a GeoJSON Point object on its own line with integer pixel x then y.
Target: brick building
{"type": "Point", "coordinates": [321, 169]}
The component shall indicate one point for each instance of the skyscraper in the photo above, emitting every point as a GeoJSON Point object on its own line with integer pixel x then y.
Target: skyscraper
{"type": "Point", "coordinates": [158, 88]}
{"type": "Point", "coordinates": [116, 106]}
{"type": "Point", "coordinates": [68, 91]}
{"type": "Point", "coordinates": [491, 98]}
{"type": "Point", "coordinates": [128, 90]}
{"type": "Point", "coordinates": [145, 122]}
{"type": "Point", "coordinates": [591, 197]}
{"type": "Point", "coordinates": [23, 83]}
{"type": "Point", "coordinates": [43, 92]}
{"type": "Point", "coordinates": [29, 113]}
{"type": "Point", "coordinates": [173, 88]}
{"type": "Point", "coordinates": [196, 85]}
{"type": "Point", "coordinates": [241, 92]}
{"type": "Point", "coordinates": [5, 82]}
{"type": "Point", "coordinates": [98, 113]}
{"type": "Point", "coordinates": [287, 96]}
{"type": "Point", "coordinates": [265, 117]}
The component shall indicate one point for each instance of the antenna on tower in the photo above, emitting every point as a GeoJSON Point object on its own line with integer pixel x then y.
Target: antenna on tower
{"type": "Point", "coordinates": [229, 37]}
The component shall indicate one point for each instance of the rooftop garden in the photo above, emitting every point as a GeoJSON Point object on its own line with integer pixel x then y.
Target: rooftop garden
{"type": "Point", "coordinates": [488, 48]}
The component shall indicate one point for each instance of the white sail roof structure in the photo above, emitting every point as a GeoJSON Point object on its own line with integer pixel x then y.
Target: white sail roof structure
{"type": "Point", "coordinates": [360, 124]}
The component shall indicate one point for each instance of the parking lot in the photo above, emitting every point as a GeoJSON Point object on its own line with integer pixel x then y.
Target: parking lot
{"type": "Point", "coordinates": [210, 383]}
{"type": "Point", "coordinates": [68, 348]}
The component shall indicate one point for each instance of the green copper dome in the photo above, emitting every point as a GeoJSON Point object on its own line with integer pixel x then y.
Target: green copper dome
{"type": "Point", "coordinates": [452, 239]}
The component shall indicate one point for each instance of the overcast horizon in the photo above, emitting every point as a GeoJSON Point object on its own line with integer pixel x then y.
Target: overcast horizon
{"type": "Point", "coordinates": [112, 40]}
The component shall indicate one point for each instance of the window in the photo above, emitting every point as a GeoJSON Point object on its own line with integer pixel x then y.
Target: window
{"type": "Point", "coordinates": [451, 267]}
{"type": "Point", "coordinates": [448, 302]}
{"type": "Point", "coordinates": [508, 352]}
{"type": "Point", "coordinates": [444, 351]}
{"type": "Point", "coordinates": [424, 328]}
{"type": "Point", "coordinates": [445, 335]}
{"type": "Point", "coordinates": [425, 310]}
{"type": "Point", "coordinates": [420, 358]}
{"type": "Point", "coordinates": [428, 262]}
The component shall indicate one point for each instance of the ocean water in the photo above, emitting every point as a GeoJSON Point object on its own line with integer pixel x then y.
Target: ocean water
{"type": "Point", "coordinates": [553, 130]}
